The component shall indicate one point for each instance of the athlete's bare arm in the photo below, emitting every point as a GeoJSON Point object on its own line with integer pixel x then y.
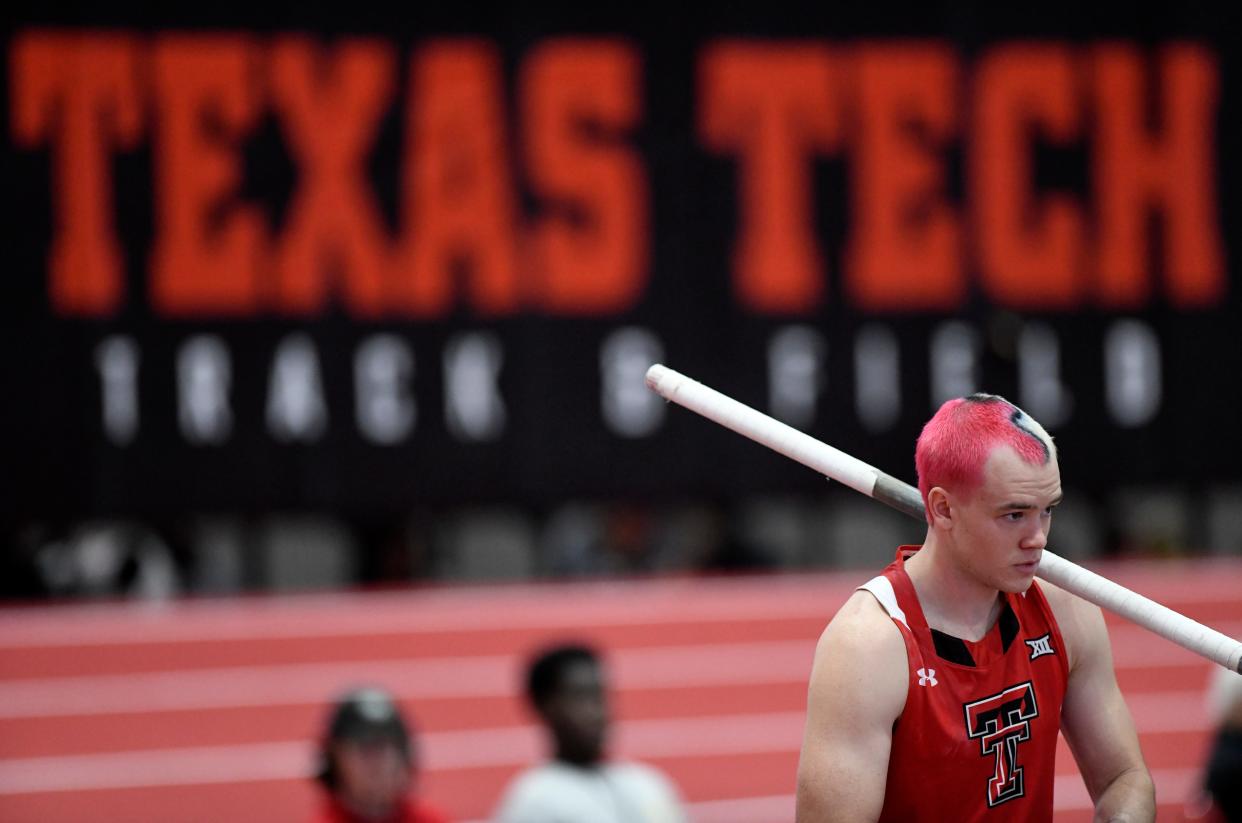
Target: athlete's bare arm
{"type": "Point", "coordinates": [858, 689]}
{"type": "Point", "coordinates": [1094, 717]}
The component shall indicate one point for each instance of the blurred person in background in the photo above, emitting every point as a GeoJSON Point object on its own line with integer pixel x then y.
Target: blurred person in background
{"type": "Point", "coordinates": [565, 686]}
{"type": "Point", "coordinates": [1221, 798]}
{"type": "Point", "coordinates": [367, 764]}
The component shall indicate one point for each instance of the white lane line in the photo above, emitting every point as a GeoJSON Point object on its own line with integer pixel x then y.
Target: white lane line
{"type": "Point", "coordinates": [1178, 711]}
{"type": "Point", "coordinates": [157, 767]}
{"type": "Point", "coordinates": [686, 666]}
{"type": "Point", "coordinates": [1173, 787]}
{"type": "Point", "coordinates": [545, 609]}
{"type": "Point", "coordinates": [1069, 794]}
{"type": "Point", "coordinates": [1135, 647]}
{"type": "Point", "coordinates": [418, 679]}
{"type": "Point", "coordinates": [538, 605]}
{"type": "Point", "coordinates": [770, 809]}
{"type": "Point", "coordinates": [170, 625]}
{"type": "Point", "coordinates": [513, 746]}
{"type": "Point", "coordinates": [479, 748]}
{"type": "Point", "coordinates": [750, 733]}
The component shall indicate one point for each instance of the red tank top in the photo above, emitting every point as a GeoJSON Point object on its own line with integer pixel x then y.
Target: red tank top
{"type": "Point", "coordinates": [977, 738]}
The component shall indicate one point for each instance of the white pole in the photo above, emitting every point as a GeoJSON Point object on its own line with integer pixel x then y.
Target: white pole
{"type": "Point", "coordinates": [837, 465]}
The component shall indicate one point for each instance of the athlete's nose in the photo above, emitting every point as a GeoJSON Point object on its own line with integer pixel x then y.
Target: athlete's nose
{"type": "Point", "coordinates": [1035, 539]}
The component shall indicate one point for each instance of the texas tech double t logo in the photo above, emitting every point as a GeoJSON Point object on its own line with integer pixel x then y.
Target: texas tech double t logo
{"type": "Point", "coordinates": [1000, 723]}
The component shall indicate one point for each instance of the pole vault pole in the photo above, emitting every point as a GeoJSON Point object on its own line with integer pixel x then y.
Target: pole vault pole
{"type": "Point", "coordinates": [837, 465]}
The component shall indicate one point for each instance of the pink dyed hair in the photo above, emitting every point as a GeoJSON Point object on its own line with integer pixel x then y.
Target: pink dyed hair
{"type": "Point", "coordinates": [955, 444]}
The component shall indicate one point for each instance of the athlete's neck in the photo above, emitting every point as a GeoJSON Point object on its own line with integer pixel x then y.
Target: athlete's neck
{"type": "Point", "coordinates": [952, 601]}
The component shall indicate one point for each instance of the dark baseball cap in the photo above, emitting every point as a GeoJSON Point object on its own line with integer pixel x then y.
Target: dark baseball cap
{"type": "Point", "coordinates": [368, 714]}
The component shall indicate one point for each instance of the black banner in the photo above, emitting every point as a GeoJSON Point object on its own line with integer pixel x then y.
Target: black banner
{"type": "Point", "coordinates": [361, 263]}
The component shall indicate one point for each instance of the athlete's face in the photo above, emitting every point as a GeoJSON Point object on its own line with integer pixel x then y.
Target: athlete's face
{"type": "Point", "coordinates": [1000, 530]}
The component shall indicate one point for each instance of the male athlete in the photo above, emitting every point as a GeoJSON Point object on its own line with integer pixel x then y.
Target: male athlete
{"type": "Point", "coordinates": [939, 687]}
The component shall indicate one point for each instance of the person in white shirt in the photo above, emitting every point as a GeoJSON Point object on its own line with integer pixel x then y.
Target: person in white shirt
{"type": "Point", "coordinates": [565, 686]}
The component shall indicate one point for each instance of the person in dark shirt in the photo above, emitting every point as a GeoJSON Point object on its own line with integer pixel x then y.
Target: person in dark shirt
{"type": "Point", "coordinates": [1220, 800]}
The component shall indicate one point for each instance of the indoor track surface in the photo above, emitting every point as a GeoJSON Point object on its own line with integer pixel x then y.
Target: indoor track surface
{"type": "Point", "coordinates": [209, 710]}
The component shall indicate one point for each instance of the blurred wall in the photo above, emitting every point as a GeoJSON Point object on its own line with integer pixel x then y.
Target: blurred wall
{"type": "Point", "coordinates": [367, 297]}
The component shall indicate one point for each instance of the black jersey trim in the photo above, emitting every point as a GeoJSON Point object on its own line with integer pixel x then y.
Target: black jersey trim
{"type": "Point", "coordinates": [1008, 626]}
{"type": "Point", "coordinates": [954, 649]}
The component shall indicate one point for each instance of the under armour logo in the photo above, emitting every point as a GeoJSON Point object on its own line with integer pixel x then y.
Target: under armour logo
{"type": "Point", "coordinates": [1040, 646]}
{"type": "Point", "coordinates": [927, 676]}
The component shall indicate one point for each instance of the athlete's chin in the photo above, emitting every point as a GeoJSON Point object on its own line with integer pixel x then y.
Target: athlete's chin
{"type": "Point", "coordinates": [1020, 577]}
{"type": "Point", "coordinates": [1016, 585]}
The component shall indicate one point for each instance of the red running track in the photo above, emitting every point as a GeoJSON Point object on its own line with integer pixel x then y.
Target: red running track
{"type": "Point", "coordinates": [209, 710]}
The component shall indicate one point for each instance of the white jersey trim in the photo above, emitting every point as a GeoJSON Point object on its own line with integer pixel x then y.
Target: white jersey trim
{"type": "Point", "coordinates": [882, 588]}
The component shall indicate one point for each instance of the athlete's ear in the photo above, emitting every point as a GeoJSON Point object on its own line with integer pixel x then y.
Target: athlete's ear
{"type": "Point", "coordinates": [941, 508]}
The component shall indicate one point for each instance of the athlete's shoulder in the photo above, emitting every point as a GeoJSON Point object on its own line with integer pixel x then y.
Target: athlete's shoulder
{"type": "Point", "coordinates": [1081, 623]}
{"type": "Point", "coordinates": [863, 623]}
{"type": "Point", "coordinates": [861, 654]}
{"type": "Point", "coordinates": [858, 687]}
